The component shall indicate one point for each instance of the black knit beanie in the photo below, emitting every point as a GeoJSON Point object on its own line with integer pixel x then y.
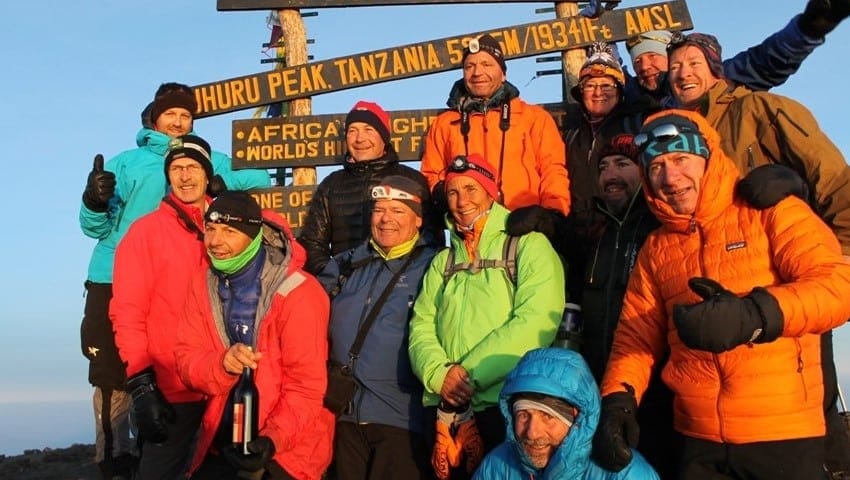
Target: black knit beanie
{"type": "Point", "coordinates": [237, 209]}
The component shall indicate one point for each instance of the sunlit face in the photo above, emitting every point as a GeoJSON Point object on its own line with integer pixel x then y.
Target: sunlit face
{"type": "Point", "coordinates": [689, 74]}
{"type": "Point", "coordinates": [539, 434]}
{"type": "Point", "coordinates": [222, 241]}
{"type": "Point", "coordinates": [188, 181]}
{"type": "Point", "coordinates": [648, 67]}
{"type": "Point", "coordinates": [599, 95]}
{"type": "Point", "coordinates": [482, 74]}
{"type": "Point", "coordinates": [393, 223]}
{"type": "Point", "coordinates": [675, 179]}
{"type": "Point", "coordinates": [619, 179]}
{"type": "Point", "coordinates": [174, 122]}
{"type": "Point", "coordinates": [364, 142]}
{"type": "Point", "coordinates": [467, 199]}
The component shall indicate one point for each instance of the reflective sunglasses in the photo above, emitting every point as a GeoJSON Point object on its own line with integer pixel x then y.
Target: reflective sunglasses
{"type": "Point", "coordinates": [663, 132]}
{"type": "Point", "coordinates": [461, 164]}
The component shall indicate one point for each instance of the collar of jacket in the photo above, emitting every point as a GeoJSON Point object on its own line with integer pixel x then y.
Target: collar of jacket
{"type": "Point", "coordinates": [459, 98]}
{"type": "Point", "coordinates": [721, 93]}
{"type": "Point", "coordinates": [636, 203]}
{"type": "Point", "coordinates": [390, 157]}
{"type": "Point", "coordinates": [189, 212]}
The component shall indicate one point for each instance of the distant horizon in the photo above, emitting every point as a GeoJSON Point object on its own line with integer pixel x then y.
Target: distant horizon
{"type": "Point", "coordinates": [29, 425]}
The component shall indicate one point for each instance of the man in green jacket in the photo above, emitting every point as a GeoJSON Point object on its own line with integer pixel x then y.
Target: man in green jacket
{"type": "Point", "coordinates": [472, 322]}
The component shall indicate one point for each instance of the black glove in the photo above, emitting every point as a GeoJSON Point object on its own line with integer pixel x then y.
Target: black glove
{"type": "Point", "coordinates": [722, 321]}
{"type": "Point", "coordinates": [99, 188]}
{"type": "Point", "coordinates": [822, 16]}
{"type": "Point", "coordinates": [216, 186]}
{"type": "Point", "coordinates": [151, 410]}
{"type": "Point", "coordinates": [767, 185]}
{"type": "Point", "coordinates": [262, 450]}
{"type": "Point", "coordinates": [617, 431]}
{"type": "Point", "coordinates": [534, 218]}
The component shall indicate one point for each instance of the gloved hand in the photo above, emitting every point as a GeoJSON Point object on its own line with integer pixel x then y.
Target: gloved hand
{"type": "Point", "coordinates": [446, 453]}
{"type": "Point", "coordinates": [592, 10]}
{"type": "Point", "coordinates": [534, 218]}
{"type": "Point", "coordinates": [767, 185]}
{"type": "Point", "coordinates": [822, 16]}
{"type": "Point", "coordinates": [216, 186]}
{"type": "Point", "coordinates": [151, 410]}
{"type": "Point", "coordinates": [262, 450]}
{"type": "Point", "coordinates": [618, 430]}
{"type": "Point", "coordinates": [722, 321]}
{"type": "Point", "coordinates": [469, 440]}
{"type": "Point", "coordinates": [100, 187]}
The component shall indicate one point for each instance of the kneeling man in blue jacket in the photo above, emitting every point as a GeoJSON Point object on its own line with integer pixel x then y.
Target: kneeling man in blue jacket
{"type": "Point", "coordinates": [551, 406]}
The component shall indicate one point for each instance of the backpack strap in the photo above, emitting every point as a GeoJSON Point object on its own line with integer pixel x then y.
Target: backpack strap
{"type": "Point", "coordinates": [507, 262]}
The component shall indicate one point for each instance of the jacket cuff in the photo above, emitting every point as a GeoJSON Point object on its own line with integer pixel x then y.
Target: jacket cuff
{"type": "Point", "coordinates": [772, 317]}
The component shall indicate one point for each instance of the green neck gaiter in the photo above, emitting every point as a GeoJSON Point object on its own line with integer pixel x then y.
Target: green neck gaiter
{"type": "Point", "coordinates": [232, 265]}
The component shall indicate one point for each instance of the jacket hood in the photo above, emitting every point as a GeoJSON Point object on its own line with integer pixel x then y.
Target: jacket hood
{"type": "Point", "coordinates": [155, 141]}
{"type": "Point", "coordinates": [560, 373]}
{"type": "Point", "coordinates": [277, 235]}
{"type": "Point", "coordinates": [717, 186]}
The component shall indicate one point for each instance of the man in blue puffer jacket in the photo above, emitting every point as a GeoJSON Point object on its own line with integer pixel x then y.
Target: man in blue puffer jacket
{"type": "Point", "coordinates": [381, 435]}
{"type": "Point", "coordinates": [127, 187]}
{"type": "Point", "coordinates": [551, 405]}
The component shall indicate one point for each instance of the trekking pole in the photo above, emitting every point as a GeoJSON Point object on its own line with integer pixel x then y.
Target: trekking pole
{"type": "Point", "coordinates": [843, 404]}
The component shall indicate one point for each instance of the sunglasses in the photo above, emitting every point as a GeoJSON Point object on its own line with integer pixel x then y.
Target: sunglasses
{"type": "Point", "coordinates": [663, 132]}
{"type": "Point", "coordinates": [462, 164]}
{"type": "Point", "coordinates": [386, 192]}
{"type": "Point", "coordinates": [634, 41]}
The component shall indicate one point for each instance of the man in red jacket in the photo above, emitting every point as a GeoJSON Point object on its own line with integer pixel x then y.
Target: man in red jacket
{"type": "Point", "coordinates": [255, 307]}
{"type": "Point", "coordinates": [153, 265]}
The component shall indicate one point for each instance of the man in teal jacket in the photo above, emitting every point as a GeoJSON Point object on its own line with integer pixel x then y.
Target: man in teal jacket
{"type": "Point", "coordinates": [551, 404]}
{"type": "Point", "coordinates": [472, 322]}
{"type": "Point", "coordinates": [130, 185]}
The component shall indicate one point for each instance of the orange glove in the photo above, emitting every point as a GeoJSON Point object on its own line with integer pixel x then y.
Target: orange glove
{"type": "Point", "coordinates": [446, 454]}
{"type": "Point", "coordinates": [469, 440]}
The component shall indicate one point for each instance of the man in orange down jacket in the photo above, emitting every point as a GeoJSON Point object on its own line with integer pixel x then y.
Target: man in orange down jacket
{"type": "Point", "coordinates": [738, 297]}
{"type": "Point", "coordinates": [520, 141]}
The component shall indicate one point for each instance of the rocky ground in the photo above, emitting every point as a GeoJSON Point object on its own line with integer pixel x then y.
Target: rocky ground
{"type": "Point", "coordinates": [73, 463]}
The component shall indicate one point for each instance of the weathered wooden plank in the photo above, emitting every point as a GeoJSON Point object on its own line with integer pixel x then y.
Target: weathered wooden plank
{"type": "Point", "coordinates": [431, 57]}
{"type": "Point", "coordinates": [320, 140]}
{"type": "Point", "coordinates": [227, 5]}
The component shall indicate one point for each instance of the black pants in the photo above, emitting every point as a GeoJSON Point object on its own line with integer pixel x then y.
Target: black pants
{"type": "Point", "coordinates": [657, 441]}
{"type": "Point", "coordinates": [378, 452]}
{"type": "Point", "coordinates": [800, 459]}
{"type": "Point", "coordinates": [837, 431]}
{"type": "Point", "coordinates": [215, 467]}
{"type": "Point", "coordinates": [491, 427]}
{"type": "Point", "coordinates": [170, 459]}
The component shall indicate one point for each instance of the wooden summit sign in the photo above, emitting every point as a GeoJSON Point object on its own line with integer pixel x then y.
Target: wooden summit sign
{"type": "Point", "coordinates": [313, 140]}
{"type": "Point", "coordinates": [424, 58]}
{"type": "Point", "coordinates": [292, 202]}
{"type": "Point", "coordinates": [225, 5]}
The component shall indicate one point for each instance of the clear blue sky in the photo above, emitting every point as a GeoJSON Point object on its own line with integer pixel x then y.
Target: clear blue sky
{"type": "Point", "coordinates": [77, 74]}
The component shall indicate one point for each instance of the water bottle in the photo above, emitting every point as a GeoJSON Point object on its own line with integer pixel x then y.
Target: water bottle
{"type": "Point", "coordinates": [246, 403]}
{"type": "Point", "coordinates": [569, 332]}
